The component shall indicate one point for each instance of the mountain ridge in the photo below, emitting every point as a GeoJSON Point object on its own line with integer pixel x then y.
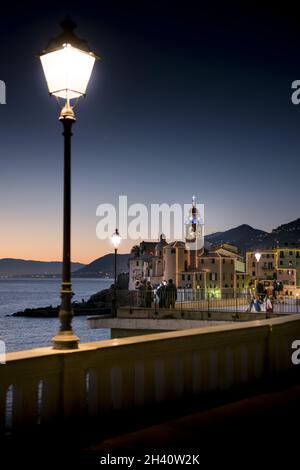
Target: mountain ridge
{"type": "Point", "coordinates": [23, 267]}
{"type": "Point", "coordinates": [244, 236]}
{"type": "Point", "coordinates": [247, 237]}
{"type": "Point", "coordinates": [104, 266]}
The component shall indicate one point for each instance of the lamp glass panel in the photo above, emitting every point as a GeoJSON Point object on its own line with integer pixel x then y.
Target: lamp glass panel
{"type": "Point", "coordinates": [67, 71]}
{"type": "Point", "coordinates": [116, 240]}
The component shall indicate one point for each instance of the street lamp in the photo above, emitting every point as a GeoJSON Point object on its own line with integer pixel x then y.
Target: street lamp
{"type": "Point", "coordinates": [67, 64]}
{"type": "Point", "coordinates": [116, 240]}
{"type": "Point", "coordinates": [257, 257]}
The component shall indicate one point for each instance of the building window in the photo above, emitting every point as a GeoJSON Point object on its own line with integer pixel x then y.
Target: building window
{"type": "Point", "coordinates": [182, 277]}
{"type": "Point", "coordinates": [253, 264]}
{"type": "Point", "coordinates": [213, 260]}
{"type": "Point", "coordinates": [253, 273]}
{"type": "Point", "coordinates": [137, 263]}
{"type": "Point", "coordinates": [281, 254]}
{"type": "Point", "coordinates": [173, 251]}
{"type": "Point", "coordinates": [223, 261]}
{"type": "Point", "coordinates": [281, 263]}
{"type": "Point", "coordinates": [189, 277]}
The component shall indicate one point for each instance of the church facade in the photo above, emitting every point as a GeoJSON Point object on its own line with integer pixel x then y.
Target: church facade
{"type": "Point", "coordinates": [190, 264]}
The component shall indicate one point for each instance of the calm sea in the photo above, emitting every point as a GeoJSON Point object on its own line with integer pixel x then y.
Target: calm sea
{"type": "Point", "coordinates": [26, 333]}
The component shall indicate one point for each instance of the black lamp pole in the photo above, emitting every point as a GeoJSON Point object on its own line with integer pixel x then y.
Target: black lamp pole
{"type": "Point", "coordinates": [65, 339]}
{"type": "Point", "coordinates": [115, 289]}
{"type": "Point", "coordinates": [67, 62]}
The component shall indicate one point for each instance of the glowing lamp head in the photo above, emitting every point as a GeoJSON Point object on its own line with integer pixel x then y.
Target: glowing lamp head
{"type": "Point", "coordinates": [257, 257]}
{"type": "Point", "coordinates": [116, 239]}
{"type": "Point", "coordinates": [67, 64]}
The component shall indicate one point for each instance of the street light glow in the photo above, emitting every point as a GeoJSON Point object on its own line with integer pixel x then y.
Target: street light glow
{"type": "Point", "coordinates": [116, 239]}
{"type": "Point", "coordinates": [67, 71]}
{"type": "Point", "coordinates": [257, 256]}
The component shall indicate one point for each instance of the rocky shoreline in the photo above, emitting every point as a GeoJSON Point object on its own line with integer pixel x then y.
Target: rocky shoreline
{"type": "Point", "coordinates": [98, 304]}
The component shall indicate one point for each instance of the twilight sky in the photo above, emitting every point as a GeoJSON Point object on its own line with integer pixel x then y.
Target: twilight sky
{"type": "Point", "coordinates": [186, 100]}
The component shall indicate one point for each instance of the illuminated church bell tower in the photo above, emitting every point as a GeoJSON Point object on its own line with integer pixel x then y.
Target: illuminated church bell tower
{"type": "Point", "coordinates": [193, 234]}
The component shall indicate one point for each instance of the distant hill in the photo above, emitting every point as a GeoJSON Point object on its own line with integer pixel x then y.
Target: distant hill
{"type": "Point", "coordinates": [104, 266]}
{"type": "Point", "coordinates": [243, 236]}
{"type": "Point", "coordinates": [284, 235]}
{"type": "Point", "coordinates": [21, 267]}
{"type": "Point", "coordinates": [247, 237]}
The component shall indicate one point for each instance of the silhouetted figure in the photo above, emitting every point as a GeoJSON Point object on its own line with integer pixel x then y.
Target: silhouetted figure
{"type": "Point", "coordinates": [141, 294]}
{"type": "Point", "coordinates": [149, 294]}
{"type": "Point", "coordinates": [171, 294]}
{"type": "Point", "coordinates": [161, 293]}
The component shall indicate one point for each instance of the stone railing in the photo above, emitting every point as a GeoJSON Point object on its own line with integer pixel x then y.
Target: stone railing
{"type": "Point", "coordinates": [45, 386]}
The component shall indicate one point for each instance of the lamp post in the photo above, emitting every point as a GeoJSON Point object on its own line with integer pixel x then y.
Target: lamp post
{"type": "Point", "coordinates": [116, 240]}
{"type": "Point", "coordinates": [67, 64]}
{"type": "Point", "coordinates": [257, 257]}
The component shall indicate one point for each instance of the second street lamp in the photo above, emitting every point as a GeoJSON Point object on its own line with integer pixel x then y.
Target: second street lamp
{"type": "Point", "coordinates": [116, 240]}
{"type": "Point", "coordinates": [67, 63]}
{"type": "Point", "coordinates": [257, 257]}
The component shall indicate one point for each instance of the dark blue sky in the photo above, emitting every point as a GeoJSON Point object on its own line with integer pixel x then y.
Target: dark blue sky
{"type": "Point", "coordinates": [186, 99]}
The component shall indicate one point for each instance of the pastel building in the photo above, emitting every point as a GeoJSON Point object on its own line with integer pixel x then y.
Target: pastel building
{"type": "Point", "coordinates": [281, 264]}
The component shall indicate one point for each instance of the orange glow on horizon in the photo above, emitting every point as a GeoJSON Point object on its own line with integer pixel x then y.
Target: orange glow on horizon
{"type": "Point", "coordinates": [44, 244]}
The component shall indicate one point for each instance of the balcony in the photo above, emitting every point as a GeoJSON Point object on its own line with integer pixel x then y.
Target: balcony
{"type": "Point", "coordinates": [46, 387]}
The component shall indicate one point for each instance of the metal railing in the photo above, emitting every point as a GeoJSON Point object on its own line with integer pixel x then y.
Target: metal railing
{"type": "Point", "coordinates": [227, 300]}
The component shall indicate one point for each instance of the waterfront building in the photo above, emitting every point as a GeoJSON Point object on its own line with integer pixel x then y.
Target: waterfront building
{"type": "Point", "coordinates": [280, 264]}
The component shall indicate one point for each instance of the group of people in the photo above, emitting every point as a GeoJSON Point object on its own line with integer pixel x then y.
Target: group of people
{"type": "Point", "coordinates": [263, 296]}
{"type": "Point", "coordinates": [261, 303]}
{"type": "Point", "coordinates": [165, 294]}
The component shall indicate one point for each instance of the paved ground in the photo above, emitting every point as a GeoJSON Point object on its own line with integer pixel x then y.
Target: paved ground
{"type": "Point", "coordinates": [264, 430]}
{"type": "Point", "coordinates": [261, 431]}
